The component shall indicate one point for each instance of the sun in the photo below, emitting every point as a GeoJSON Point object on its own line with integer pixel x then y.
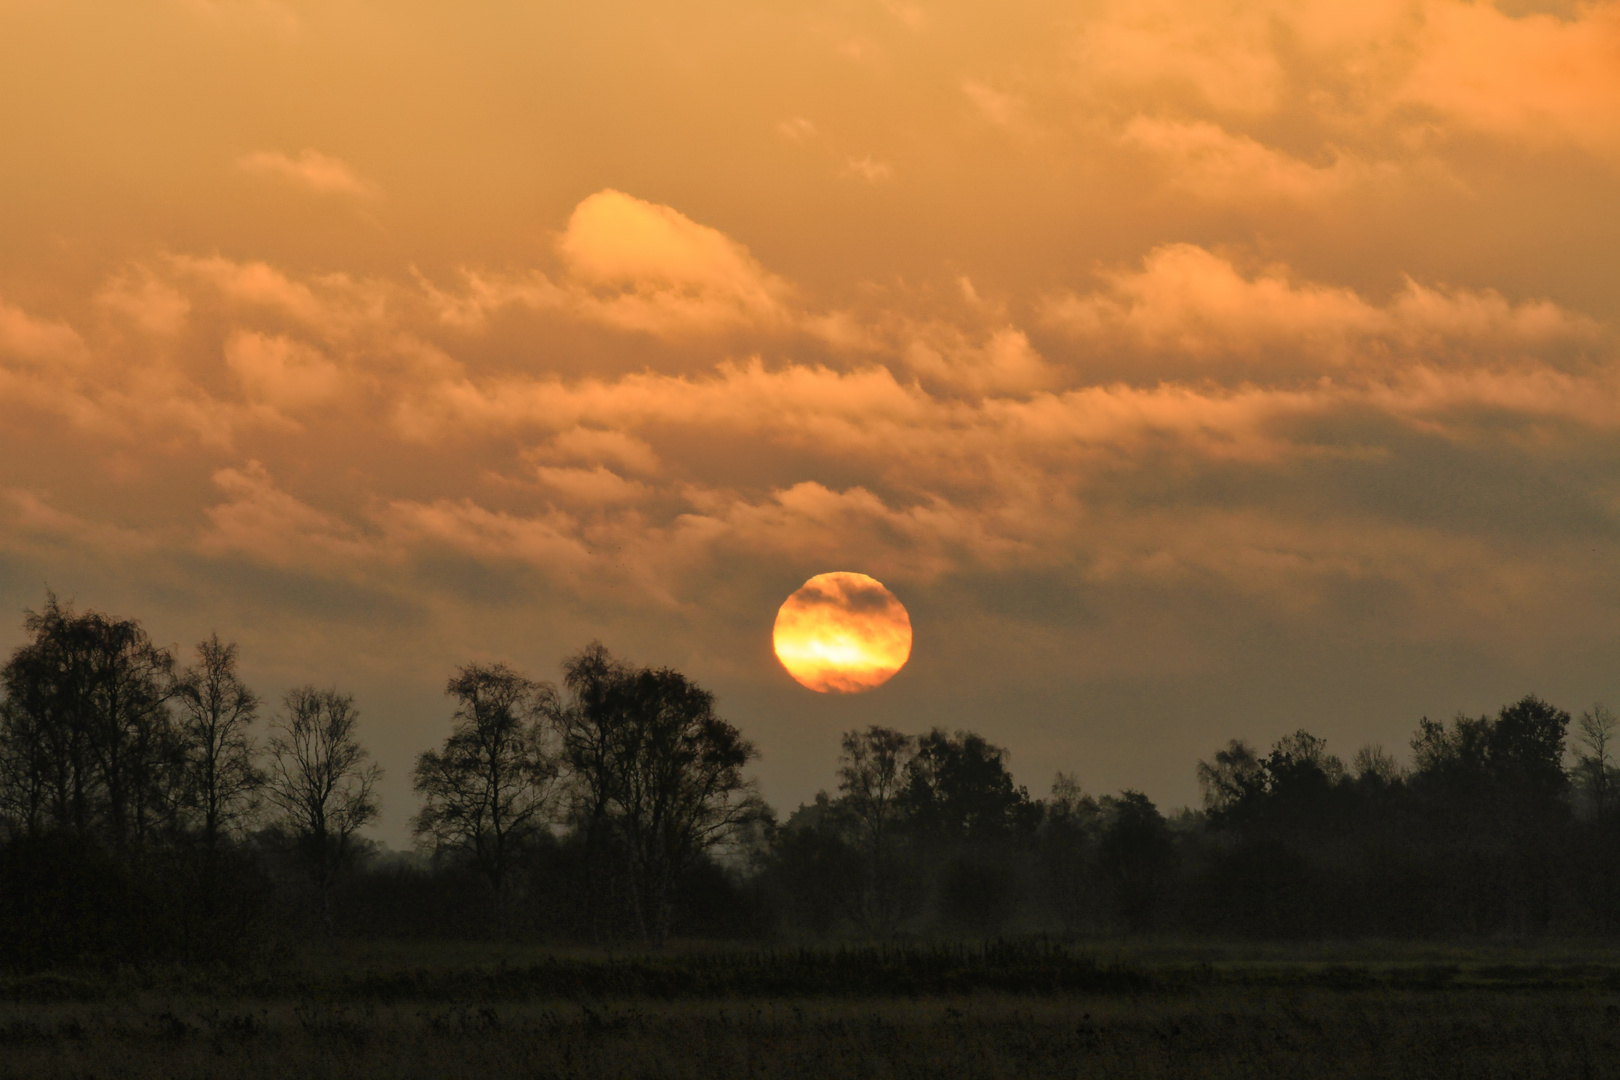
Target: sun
{"type": "Point", "coordinates": [842, 633]}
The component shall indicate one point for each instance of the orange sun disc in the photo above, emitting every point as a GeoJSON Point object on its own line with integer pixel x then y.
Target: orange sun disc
{"type": "Point", "coordinates": [842, 632]}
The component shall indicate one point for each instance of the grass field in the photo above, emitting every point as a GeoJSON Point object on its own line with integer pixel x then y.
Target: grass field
{"type": "Point", "coordinates": [1020, 1010]}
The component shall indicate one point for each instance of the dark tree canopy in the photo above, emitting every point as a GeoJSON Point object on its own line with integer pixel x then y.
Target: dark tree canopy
{"type": "Point", "coordinates": [657, 774]}
{"type": "Point", "coordinates": [140, 820]}
{"type": "Point", "coordinates": [488, 792]}
{"type": "Point", "coordinates": [958, 788]}
{"type": "Point", "coordinates": [89, 742]}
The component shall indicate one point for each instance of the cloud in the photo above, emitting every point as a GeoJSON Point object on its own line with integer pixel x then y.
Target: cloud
{"type": "Point", "coordinates": [1209, 162]}
{"type": "Point", "coordinates": [1190, 304]}
{"type": "Point", "coordinates": [1313, 100]}
{"type": "Point", "coordinates": [49, 366]}
{"type": "Point", "coordinates": [797, 129]}
{"type": "Point", "coordinates": [1001, 109]}
{"type": "Point", "coordinates": [30, 519]}
{"type": "Point", "coordinates": [929, 441]}
{"type": "Point", "coordinates": [593, 446]}
{"type": "Point", "coordinates": [1221, 51]}
{"type": "Point", "coordinates": [261, 522]}
{"type": "Point", "coordinates": [256, 284]}
{"type": "Point", "coordinates": [911, 16]}
{"type": "Point", "coordinates": [1532, 78]}
{"type": "Point", "coordinates": [651, 268]}
{"type": "Point", "coordinates": [311, 169]}
{"type": "Point", "coordinates": [868, 169]}
{"type": "Point", "coordinates": [1005, 363]}
{"type": "Point", "coordinates": [285, 374]}
{"type": "Point", "coordinates": [37, 343]}
{"type": "Point", "coordinates": [597, 485]}
{"type": "Point", "coordinates": [149, 304]}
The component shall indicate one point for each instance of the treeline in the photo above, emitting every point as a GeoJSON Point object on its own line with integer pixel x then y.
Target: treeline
{"type": "Point", "coordinates": [1493, 828]}
{"type": "Point", "coordinates": [152, 809]}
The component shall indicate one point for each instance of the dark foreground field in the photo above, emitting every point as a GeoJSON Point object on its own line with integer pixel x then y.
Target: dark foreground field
{"type": "Point", "coordinates": [1008, 1011]}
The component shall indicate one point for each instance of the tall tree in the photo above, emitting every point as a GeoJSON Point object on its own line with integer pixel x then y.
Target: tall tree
{"type": "Point", "coordinates": [681, 788]}
{"type": "Point", "coordinates": [589, 723]}
{"type": "Point", "coordinates": [1492, 790]}
{"type": "Point", "coordinates": [1068, 841]}
{"type": "Point", "coordinates": [958, 788]}
{"type": "Point", "coordinates": [488, 791]}
{"type": "Point", "coordinates": [1296, 787]}
{"type": "Point", "coordinates": [26, 771]}
{"type": "Point", "coordinates": [88, 725]}
{"type": "Point", "coordinates": [657, 774]}
{"type": "Point", "coordinates": [872, 777]}
{"type": "Point", "coordinates": [1232, 780]}
{"type": "Point", "coordinates": [222, 780]}
{"type": "Point", "coordinates": [322, 781]}
{"type": "Point", "coordinates": [1136, 855]}
{"type": "Point", "coordinates": [1595, 760]}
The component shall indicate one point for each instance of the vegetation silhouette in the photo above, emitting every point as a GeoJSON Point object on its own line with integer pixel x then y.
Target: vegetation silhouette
{"type": "Point", "coordinates": [144, 817]}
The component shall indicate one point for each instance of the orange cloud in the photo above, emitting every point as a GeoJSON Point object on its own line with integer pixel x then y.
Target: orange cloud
{"type": "Point", "coordinates": [650, 268]}
{"type": "Point", "coordinates": [267, 525]}
{"type": "Point", "coordinates": [151, 305]}
{"type": "Point", "coordinates": [285, 374]}
{"type": "Point", "coordinates": [37, 342]}
{"type": "Point", "coordinates": [1534, 78]}
{"type": "Point", "coordinates": [311, 169]}
{"type": "Point", "coordinates": [1207, 161]}
{"type": "Point", "coordinates": [1190, 303]}
{"type": "Point", "coordinates": [868, 169]}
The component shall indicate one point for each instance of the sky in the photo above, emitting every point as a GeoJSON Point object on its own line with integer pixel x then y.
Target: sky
{"type": "Point", "coordinates": [1190, 370]}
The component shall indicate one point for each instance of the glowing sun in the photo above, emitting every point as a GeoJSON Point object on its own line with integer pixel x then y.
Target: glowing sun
{"type": "Point", "coordinates": [842, 632]}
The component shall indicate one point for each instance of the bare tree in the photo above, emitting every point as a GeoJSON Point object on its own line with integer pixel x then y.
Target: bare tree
{"type": "Point", "coordinates": [222, 781]}
{"type": "Point", "coordinates": [321, 781]}
{"type": "Point", "coordinates": [1594, 763]}
{"type": "Point", "coordinates": [872, 776]}
{"type": "Point", "coordinates": [488, 791]}
{"type": "Point", "coordinates": [1375, 765]}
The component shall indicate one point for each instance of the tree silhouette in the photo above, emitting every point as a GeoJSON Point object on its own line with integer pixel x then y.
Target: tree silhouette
{"type": "Point", "coordinates": [89, 745]}
{"type": "Point", "coordinates": [657, 774]}
{"type": "Point", "coordinates": [589, 723]}
{"type": "Point", "coordinates": [1136, 856]}
{"type": "Point", "coordinates": [488, 791]}
{"type": "Point", "coordinates": [958, 788]}
{"type": "Point", "coordinates": [872, 778]}
{"type": "Point", "coordinates": [1595, 767]}
{"type": "Point", "coordinates": [681, 787]}
{"type": "Point", "coordinates": [321, 781]}
{"type": "Point", "coordinates": [222, 779]}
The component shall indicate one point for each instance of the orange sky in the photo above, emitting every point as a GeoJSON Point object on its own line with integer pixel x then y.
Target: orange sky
{"type": "Point", "coordinates": [1189, 370]}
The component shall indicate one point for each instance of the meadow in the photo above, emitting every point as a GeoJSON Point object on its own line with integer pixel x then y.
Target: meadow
{"type": "Point", "coordinates": [1021, 1009]}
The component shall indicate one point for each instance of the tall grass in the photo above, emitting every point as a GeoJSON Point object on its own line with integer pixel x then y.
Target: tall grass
{"type": "Point", "coordinates": [1013, 1009]}
{"type": "Point", "coordinates": [1379, 1034]}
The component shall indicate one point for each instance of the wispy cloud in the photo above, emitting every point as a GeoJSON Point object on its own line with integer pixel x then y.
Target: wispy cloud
{"type": "Point", "coordinates": [311, 169]}
{"type": "Point", "coordinates": [868, 169]}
